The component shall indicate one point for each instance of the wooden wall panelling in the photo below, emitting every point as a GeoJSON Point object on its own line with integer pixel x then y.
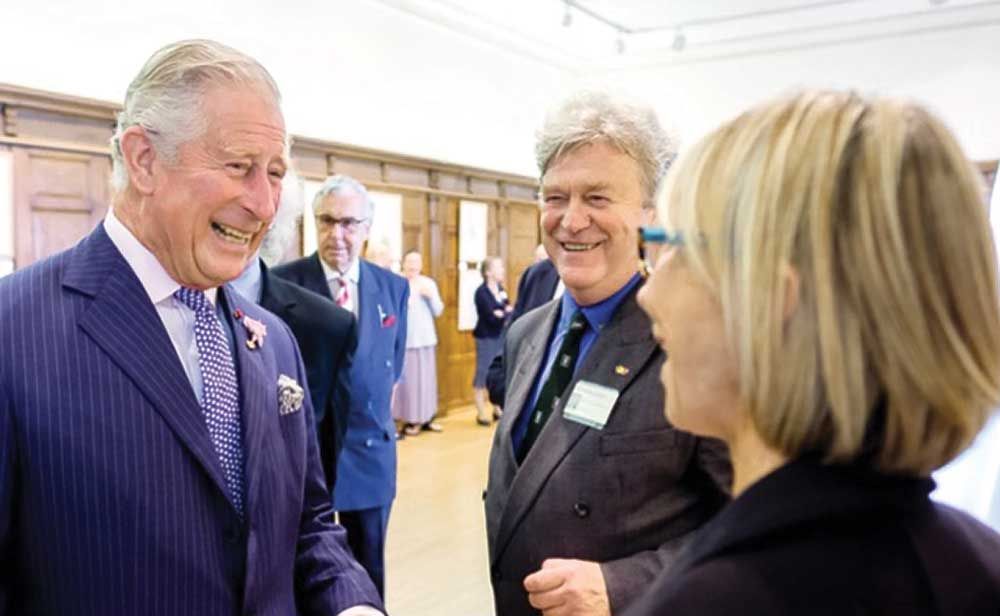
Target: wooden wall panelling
{"type": "Point", "coordinates": [456, 356]}
{"type": "Point", "coordinates": [523, 237]}
{"type": "Point", "coordinates": [39, 124]}
{"type": "Point", "coordinates": [59, 198]}
{"type": "Point", "coordinates": [414, 221]}
{"type": "Point", "coordinates": [361, 170]}
{"type": "Point", "coordinates": [311, 164]}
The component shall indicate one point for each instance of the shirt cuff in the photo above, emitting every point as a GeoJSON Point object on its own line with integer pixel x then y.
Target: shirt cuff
{"type": "Point", "coordinates": [361, 610]}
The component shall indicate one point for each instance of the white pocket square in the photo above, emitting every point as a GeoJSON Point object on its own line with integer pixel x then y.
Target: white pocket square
{"type": "Point", "coordinates": [290, 395]}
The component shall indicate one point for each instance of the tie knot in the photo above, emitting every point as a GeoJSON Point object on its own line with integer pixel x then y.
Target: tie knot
{"type": "Point", "coordinates": [578, 322]}
{"type": "Point", "coordinates": [194, 299]}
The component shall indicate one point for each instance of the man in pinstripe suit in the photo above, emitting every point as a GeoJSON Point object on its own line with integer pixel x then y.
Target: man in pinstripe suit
{"type": "Point", "coordinates": [157, 443]}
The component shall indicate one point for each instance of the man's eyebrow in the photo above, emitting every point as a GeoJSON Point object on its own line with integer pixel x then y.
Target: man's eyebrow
{"type": "Point", "coordinates": [592, 187]}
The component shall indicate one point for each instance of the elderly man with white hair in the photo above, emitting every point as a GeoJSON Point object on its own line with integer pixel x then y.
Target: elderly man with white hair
{"type": "Point", "coordinates": [326, 333]}
{"type": "Point", "coordinates": [157, 442]}
{"type": "Point", "coordinates": [366, 468]}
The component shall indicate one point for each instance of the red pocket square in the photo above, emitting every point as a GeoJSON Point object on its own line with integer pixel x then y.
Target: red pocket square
{"type": "Point", "coordinates": [389, 321]}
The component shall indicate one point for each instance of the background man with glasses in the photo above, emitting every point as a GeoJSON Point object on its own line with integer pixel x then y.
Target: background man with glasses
{"type": "Point", "coordinates": [366, 468]}
{"type": "Point", "coordinates": [591, 491]}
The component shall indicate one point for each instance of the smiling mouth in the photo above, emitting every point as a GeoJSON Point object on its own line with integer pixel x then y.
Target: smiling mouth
{"type": "Point", "coordinates": [578, 247]}
{"type": "Point", "coordinates": [232, 235]}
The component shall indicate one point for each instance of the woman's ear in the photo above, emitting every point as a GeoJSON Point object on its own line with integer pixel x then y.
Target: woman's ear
{"type": "Point", "coordinates": [790, 283]}
{"type": "Point", "coordinates": [139, 157]}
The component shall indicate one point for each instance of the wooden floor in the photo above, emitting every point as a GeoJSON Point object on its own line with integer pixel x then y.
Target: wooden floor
{"type": "Point", "coordinates": [436, 553]}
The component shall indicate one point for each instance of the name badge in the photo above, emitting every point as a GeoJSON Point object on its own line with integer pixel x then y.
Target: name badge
{"type": "Point", "coordinates": [590, 404]}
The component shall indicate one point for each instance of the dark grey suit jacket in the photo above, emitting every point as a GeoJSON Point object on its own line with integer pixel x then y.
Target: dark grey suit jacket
{"type": "Point", "coordinates": [628, 496]}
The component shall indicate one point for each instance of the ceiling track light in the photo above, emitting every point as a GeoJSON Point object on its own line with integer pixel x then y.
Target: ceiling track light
{"type": "Point", "coordinates": [680, 41]}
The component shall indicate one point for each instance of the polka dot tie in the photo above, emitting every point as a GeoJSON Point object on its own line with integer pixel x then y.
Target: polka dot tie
{"type": "Point", "coordinates": [221, 394]}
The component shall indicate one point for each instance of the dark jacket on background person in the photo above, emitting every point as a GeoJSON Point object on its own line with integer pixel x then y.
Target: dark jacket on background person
{"type": "Point", "coordinates": [535, 288]}
{"type": "Point", "coordinates": [327, 336]}
{"type": "Point", "coordinates": [366, 468]}
{"type": "Point", "coordinates": [489, 325]}
{"type": "Point", "coordinates": [833, 540]}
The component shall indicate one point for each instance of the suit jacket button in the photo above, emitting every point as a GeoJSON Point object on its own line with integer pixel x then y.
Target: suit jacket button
{"type": "Point", "coordinates": [581, 510]}
{"type": "Point", "coordinates": [232, 535]}
{"type": "Point", "coordinates": [368, 442]}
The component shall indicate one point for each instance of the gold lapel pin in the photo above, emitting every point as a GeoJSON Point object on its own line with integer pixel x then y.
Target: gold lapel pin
{"type": "Point", "coordinates": [621, 370]}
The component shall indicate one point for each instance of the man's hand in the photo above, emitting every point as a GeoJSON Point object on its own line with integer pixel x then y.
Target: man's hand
{"type": "Point", "coordinates": [568, 587]}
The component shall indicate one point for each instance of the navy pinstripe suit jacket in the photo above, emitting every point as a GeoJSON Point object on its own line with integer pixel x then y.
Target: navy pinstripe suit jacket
{"type": "Point", "coordinates": [112, 499]}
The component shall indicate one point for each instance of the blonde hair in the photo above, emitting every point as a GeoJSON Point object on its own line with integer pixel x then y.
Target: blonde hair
{"type": "Point", "coordinates": [893, 349]}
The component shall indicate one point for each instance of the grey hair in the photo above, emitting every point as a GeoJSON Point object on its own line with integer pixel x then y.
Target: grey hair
{"type": "Point", "coordinates": [285, 224]}
{"type": "Point", "coordinates": [165, 97]}
{"type": "Point", "coordinates": [596, 116]}
{"type": "Point", "coordinates": [344, 184]}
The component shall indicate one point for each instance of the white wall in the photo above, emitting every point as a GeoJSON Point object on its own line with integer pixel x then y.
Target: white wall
{"type": "Point", "coordinates": [956, 73]}
{"type": "Point", "coordinates": [357, 72]}
{"type": "Point", "coordinates": [364, 73]}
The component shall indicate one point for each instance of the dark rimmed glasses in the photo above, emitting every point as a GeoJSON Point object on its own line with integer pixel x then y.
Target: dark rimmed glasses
{"type": "Point", "coordinates": [325, 222]}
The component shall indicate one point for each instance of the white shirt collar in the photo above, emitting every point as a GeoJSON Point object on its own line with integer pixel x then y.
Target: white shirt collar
{"type": "Point", "coordinates": [155, 280]}
{"type": "Point", "coordinates": [353, 272]}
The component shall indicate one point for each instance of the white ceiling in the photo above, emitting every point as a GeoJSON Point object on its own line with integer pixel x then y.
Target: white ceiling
{"type": "Point", "coordinates": [652, 31]}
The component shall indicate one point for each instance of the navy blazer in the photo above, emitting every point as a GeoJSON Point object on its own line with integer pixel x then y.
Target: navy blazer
{"type": "Point", "coordinates": [489, 325]}
{"type": "Point", "coordinates": [537, 286]}
{"type": "Point", "coordinates": [328, 337]}
{"type": "Point", "coordinates": [366, 469]}
{"type": "Point", "coordinates": [833, 540]}
{"type": "Point", "coordinates": [112, 497]}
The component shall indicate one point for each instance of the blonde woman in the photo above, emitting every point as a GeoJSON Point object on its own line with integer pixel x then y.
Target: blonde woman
{"type": "Point", "coordinates": [829, 305]}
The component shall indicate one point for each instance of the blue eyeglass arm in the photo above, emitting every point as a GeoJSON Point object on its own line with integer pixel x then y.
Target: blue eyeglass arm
{"type": "Point", "coordinates": [659, 235]}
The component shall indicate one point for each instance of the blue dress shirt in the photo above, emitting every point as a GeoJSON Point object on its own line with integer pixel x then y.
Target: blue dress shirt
{"type": "Point", "coordinates": [598, 315]}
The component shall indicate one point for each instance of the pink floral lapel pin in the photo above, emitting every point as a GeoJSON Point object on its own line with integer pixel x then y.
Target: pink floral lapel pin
{"type": "Point", "coordinates": [255, 330]}
{"type": "Point", "coordinates": [387, 320]}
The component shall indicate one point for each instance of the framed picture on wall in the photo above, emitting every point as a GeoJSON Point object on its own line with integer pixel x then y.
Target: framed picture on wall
{"type": "Point", "coordinates": [472, 222]}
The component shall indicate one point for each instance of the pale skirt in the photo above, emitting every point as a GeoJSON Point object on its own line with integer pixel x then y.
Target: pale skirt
{"type": "Point", "coordinates": [416, 396]}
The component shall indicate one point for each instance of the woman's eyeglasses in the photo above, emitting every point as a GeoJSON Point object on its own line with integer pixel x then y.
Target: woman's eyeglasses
{"type": "Point", "coordinates": [651, 239]}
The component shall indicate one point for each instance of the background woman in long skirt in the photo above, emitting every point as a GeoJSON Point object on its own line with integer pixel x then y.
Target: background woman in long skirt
{"type": "Point", "coordinates": [415, 403]}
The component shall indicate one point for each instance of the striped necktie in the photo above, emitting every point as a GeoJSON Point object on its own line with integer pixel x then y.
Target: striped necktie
{"type": "Point", "coordinates": [343, 294]}
{"type": "Point", "coordinates": [560, 376]}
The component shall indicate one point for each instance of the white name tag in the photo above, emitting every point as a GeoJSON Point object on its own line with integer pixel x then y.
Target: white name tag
{"type": "Point", "coordinates": [590, 404]}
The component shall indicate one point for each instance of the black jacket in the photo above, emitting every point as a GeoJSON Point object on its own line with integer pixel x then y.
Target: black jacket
{"type": "Point", "coordinates": [327, 336]}
{"type": "Point", "coordinates": [825, 540]}
{"type": "Point", "coordinates": [537, 285]}
{"type": "Point", "coordinates": [489, 325]}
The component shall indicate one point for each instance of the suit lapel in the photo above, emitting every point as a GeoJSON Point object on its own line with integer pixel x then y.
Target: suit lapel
{"type": "Point", "coordinates": [529, 362]}
{"type": "Point", "coordinates": [272, 295]}
{"type": "Point", "coordinates": [315, 277]}
{"type": "Point", "coordinates": [369, 301]}
{"type": "Point", "coordinates": [125, 325]}
{"type": "Point", "coordinates": [257, 392]}
{"type": "Point", "coordinates": [626, 342]}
